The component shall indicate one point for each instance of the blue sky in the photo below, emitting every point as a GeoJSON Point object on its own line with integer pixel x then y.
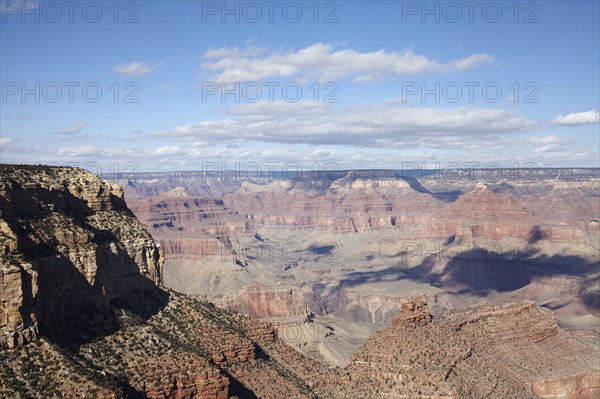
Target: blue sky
{"type": "Point", "coordinates": [354, 84]}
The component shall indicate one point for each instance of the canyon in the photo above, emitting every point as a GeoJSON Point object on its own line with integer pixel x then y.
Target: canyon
{"type": "Point", "coordinates": [359, 284]}
{"type": "Point", "coordinates": [349, 246]}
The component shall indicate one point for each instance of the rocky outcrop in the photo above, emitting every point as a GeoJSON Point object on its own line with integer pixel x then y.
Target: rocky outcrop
{"type": "Point", "coordinates": [83, 278]}
{"type": "Point", "coordinates": [413, 310]}
{"type": "Point", "coordinates": [575, 386]}
{"type": "Point", "coordinates": [522, 322]}
{"type": "Point", "coordinates": [504, 350]}
{"type": "Point", "coordinates": [260, 331]}
{"type": "Point", "coordinates": [235, 353]}
{"type": "Point", "coordinates": [267, 302]}
{"type": "Point", "coordinates": [70, 247]}
{"type": "Point", "coordinates": [69, 242]}
{"type": "Point", "coordinates": [189, 382]}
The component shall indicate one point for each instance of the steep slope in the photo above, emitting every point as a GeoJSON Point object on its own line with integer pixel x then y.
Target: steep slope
{"type": "Point", "coordinates": [81, 299]}
{"type": "Point", "coordinates": [84, 315]}
{"type": "Point", "coordinates": [356, 202]}
{"type": "Point", "coordinates": [68, 243]}
{"type": "Point", "coordinates": [496, 216]}
{"type": "Point", "coordinates": [508, 350]}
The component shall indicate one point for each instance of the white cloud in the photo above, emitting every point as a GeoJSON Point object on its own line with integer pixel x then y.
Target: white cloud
{"type": "Point", "coordinates": [168, 150]}
{"type": "Point", "coordinates": [321, 61]}
{"type": "Point", "coordinates": [137, 131]}
{"type": "Point", "coordinates": [71, 130]}
{"type": "Point", "coordinates": [234, 52]}
{"type": "Point", "coordinates": [578, 118]}
{"type": "Point", "coordinates": [5, 141]}
{"type": "Point", "coordinates": [79, 151]}
{"type": "Point", "coordinates": [380, 125]}
{"type": "Point", "coordinates": [135, 69]}
{"type": "Point", "coordinates": [464, 150]}
{"type": "Point", "coordinates": [550, 148]}
{"type": "Point", "coordinates": [203, 143]}
{"type": "Point", "coordinates": [551, 139]}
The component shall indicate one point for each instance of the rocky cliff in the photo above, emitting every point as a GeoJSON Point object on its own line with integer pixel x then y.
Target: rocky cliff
{"type": "Point", "coordinates": [261, 303]}
{"type": "Point", "coordinates": [496, 216]}
{"type": "Point", "coordinates": [68, 242]}
{"type": "Point", "coordinates": [81, 298]}
{"type": "Point", "coordinates": [349, 204]}
{"type": "Point", "coordinates": [114, 332]}
{"type": "Point", "coordinates": [575, 386]}
{"type": "Point", "coordinates": [357, 242]}
{"type": "Point", "coordinates": [485, 351]}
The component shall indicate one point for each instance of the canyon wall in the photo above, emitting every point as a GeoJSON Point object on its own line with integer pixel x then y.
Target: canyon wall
{"type": "Point", "coordinates": [390, 234]}
{"type": "Point", "coordinates": [68, 242]}
{"type": "Point", "coordinates": [81, 298]}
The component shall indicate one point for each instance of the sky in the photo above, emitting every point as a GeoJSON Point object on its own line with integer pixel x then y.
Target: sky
{"type": "Point", "coordinates": [145, 86]}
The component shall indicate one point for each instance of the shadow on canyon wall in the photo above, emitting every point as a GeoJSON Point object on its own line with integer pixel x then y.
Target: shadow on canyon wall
{"type": "Point", "coordinates": [69, 309]}
{"type": "Point", "coordinates": [444, 196]}
{"type": "Point", "coordinates": [481, 272]}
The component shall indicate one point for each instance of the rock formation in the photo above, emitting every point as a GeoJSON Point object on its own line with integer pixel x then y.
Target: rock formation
{"type": "Point", "coordinates": [492, 351]}
{"type": "Point", "coordinates": [355, 243]}
{"type": "Point", "coordinates": [81, 299]}
{"type": "Point", "coordinates": [68, 242]}
{"type": "Point", "coordinates": [574, 386]}
{"type": "Point", "coordinates": [413, 311]}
